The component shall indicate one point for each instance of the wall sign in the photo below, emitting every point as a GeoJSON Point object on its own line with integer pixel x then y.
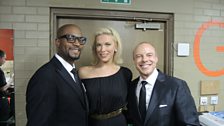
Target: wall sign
{"type": "Point", "coordinates": [197, 42]}
{"type": "Point", "coordinates": [116, 1]}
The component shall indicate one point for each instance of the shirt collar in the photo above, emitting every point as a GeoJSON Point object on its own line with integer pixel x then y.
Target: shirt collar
{"type": "Point", "coordinates": [67, 66]}
{"type": "Point", "coordinates": [152, 78]}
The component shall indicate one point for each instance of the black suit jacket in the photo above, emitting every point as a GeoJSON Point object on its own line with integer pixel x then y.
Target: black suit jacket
{"type": "Point", "coordinates": [53, 98]}
{"type": "Point", "coordinates": [171, 104]}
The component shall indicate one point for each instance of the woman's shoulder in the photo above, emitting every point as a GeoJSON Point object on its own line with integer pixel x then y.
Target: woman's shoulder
{"type": "Point", "coordinates": [84, 71]}
{"type": "Point", "coordinates": [84, 68]}
{"type": "Point", "coordinates": [126, 69]}
{"type": "Point", "coordinates": [127, 72]}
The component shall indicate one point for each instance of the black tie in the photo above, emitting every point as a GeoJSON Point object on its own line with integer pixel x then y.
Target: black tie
{"type": "Point", "coordinates": [79, 84]}
{"type": "Point", "coordinates": [77, 79]}
{"type": "Point", "coordinates": [142, 100]}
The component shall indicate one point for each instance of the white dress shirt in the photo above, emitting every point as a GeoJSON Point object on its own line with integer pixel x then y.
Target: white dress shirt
{"type": "Point", "coordinates": [66, 65]}
{"type": "Point", "coordinates": [149, 86]}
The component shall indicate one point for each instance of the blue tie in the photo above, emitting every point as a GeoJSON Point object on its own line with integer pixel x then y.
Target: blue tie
{"type": "Point", "coordinates": [142, 100]}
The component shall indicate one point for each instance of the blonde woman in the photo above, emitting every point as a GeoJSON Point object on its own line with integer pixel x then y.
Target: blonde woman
{"type": "Point", "coordinates": [106, 82]}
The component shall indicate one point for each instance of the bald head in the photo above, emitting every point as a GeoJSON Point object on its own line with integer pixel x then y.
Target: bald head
{"type": "Point", "coordinates": [144, 43]}
{"type": "Point", "coordinates": [145, 59]}
{"type": "Point", "coordinates": [62, 30]}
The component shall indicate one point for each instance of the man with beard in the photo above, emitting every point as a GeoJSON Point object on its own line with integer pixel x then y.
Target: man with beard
{"type": "Point", "coordinates": [55, 96]}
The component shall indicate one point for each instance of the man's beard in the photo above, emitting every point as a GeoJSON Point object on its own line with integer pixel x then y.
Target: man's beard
{"type": "Point", "coordinates": [74, 57]}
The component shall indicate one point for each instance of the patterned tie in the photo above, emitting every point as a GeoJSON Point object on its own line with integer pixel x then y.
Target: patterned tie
{"type": "Point", "coordinates": [142, 100]}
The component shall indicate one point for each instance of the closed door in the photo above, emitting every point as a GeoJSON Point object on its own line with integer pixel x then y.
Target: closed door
{"type": "Point", "coordinates": [130, 36]}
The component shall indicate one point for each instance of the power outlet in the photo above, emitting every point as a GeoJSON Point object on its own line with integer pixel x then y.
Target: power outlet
{"type": "Point", "coordinates": [214, 100]}
{"type": "Point", "coordinates": [204, 100]}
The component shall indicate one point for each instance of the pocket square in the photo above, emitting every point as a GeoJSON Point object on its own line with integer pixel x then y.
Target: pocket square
{"type": "Point", "coordinates": [161, 106]}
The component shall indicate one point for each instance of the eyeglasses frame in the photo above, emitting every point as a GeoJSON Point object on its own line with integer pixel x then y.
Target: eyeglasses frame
{"type": "Point", "coordinates": [72, 39]}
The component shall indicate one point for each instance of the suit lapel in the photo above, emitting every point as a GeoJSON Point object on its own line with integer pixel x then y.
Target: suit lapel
{"type": "Point", "coordinates": [157, 94]}
{"type": "Point", "coordinates": [135, 100]}
{"type": "Point", "coordinates": [68, 79]}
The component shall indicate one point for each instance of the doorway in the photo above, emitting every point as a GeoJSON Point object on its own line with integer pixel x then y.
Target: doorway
{"type": "Point", "coordinates": [127, 24]}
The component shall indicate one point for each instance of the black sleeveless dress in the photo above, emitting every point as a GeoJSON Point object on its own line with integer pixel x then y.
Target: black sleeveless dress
{"type": "Point", "coordinates": [108, 94]}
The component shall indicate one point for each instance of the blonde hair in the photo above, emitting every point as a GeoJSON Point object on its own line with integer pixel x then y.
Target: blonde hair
{"type": "Point", "coordinates": [108, 31]}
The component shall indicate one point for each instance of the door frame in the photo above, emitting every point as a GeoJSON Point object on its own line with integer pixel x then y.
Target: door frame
{"type": "Point", "coordinates": [107, 14]}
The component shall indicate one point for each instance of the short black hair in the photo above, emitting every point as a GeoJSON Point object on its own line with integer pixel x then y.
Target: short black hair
{"type": "Point", "coordinates": [2, 53]}
{"type": "Point", "coordinates": [62, 29]}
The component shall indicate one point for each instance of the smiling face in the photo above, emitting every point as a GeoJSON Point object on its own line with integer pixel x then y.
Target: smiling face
{"type": "Point", "coordinates": [69, 51]}
{"type": "Point", "coordinates": [105, 48]}
{"type": "Point", "coordinates": [145, 59]}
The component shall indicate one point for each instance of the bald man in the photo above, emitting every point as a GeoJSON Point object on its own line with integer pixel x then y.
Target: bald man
{"type": "Point", "coordinates": [156, 99]}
